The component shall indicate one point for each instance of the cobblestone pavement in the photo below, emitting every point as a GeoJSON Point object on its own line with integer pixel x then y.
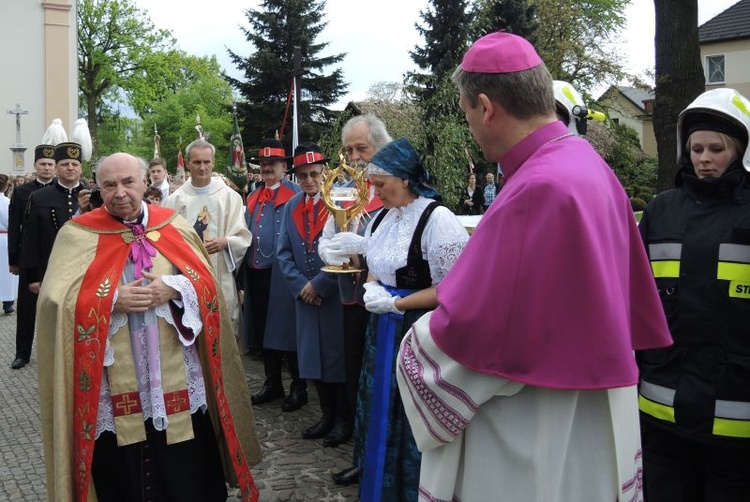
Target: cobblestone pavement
{"type": "Point", "coordinates": [293, 469]}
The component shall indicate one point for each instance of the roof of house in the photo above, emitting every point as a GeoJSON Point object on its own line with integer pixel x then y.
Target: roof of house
{"type": "Point", "coordinates": [731, 24]}
{"type": "Point", "coordinates": [635, 95]}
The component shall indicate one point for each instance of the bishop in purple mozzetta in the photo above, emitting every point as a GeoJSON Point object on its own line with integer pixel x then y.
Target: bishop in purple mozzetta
{"type": "Point", "coordinates": [522, 383]}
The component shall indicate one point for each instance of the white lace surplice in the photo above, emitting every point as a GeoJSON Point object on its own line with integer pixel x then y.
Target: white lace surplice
{"type": "Point", "coordinates": [442, 241]}
{"type": "Point", "coordinates": [483, 437]}
{"type": "Point", "coordinates": [144, 338]}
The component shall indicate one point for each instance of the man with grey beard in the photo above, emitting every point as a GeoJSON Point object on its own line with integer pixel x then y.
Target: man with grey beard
{"type": "Point", "coordinates": [361, 136]}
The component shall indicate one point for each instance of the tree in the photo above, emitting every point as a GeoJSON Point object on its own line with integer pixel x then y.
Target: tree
{"type": "Point", "coordinates": [446, 35]}
{"type": "Point", "coordinates": [194, 86]}
{"type": "Point", "coordinates": [513, 16]}
{"type": "Point", "coordinates": [385, 91]}
{"type": "Point", "coordinates": [115, 42]}
{"type": "Point", "coordinates": [574, 39]}
{"type": "Point", "coordinates": [275, 30]}
{"type": "Point", "coordinates": [209, 97]}
{"type": "Point", "coordinates": [679, 77]}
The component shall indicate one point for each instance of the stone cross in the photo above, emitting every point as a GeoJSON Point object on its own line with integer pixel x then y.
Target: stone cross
{"type": "Point", "coordinates": [17, 111]}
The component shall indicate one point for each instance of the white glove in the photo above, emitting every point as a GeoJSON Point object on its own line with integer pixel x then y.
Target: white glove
{"type": "Point", "coordinates": [346, 243]}
{"type": "Point", "coordinates": [332, 256]}
{"type": "Point", "coordinates": [374, 291]}
{"type": "Point", "coordinates": [336, 259]}
{"type": "Point", "coordinates": [383, 305]}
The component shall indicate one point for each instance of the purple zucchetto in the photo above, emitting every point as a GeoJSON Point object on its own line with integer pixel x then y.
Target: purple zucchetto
{"type": "Point", "coordinates": [500, 52]}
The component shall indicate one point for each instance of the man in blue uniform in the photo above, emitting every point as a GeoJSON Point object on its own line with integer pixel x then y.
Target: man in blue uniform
{"type": "Point", "coordinates": [267, 299]}
{"type": "Point", "coordinates": [320, 328]}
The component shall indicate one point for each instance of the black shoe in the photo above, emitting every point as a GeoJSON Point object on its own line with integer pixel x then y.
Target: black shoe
{"type": "Point", "coordinates": [19, 363]}
{"type": "Point", "coordinates": [268, 393]}
{"type": "Point", "coordinates": [320, 429]}
{"type": "Point", "coordinates": [9, 311]}
{"type": "Point", "coordinates": [347, 476]}
{"type": "Point", "coordinates": [340, 433]}
{"type": "Point", "coordinates": [296, 399]}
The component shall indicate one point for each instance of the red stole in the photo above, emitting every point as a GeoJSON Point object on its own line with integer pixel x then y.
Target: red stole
{"type": "Point", "coordinates": [309, 220]}
{"type": "Point", "coordinates": [92, 317]}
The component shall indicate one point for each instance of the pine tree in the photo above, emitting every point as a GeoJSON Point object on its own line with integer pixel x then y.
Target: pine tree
{"type": "Point", "coordinates": [446, 35]}
{"type": "Point", "coordinates": [443, 135]}
{"type": "Point", "coordinates": [513, 16]}
{"type": "Point", "coordinates": [276, 28]}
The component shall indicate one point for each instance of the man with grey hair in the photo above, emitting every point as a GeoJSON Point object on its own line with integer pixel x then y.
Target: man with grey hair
{"type": "Point", "coordinates": [521, 385]}
{"type": "Point", "coordinates": [141, 386]}
{"type": "Point", "coordinates": [361, 136]}
{"type": "Point", "coordinates": [216, 212]}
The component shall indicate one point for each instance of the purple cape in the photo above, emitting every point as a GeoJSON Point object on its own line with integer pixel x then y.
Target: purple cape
{"type": "Point", "coordinates": [554, 288]}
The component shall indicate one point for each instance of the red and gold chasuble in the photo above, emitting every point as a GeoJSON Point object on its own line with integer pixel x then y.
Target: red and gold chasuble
{"type": "Point", "coordinates": [92, 318]}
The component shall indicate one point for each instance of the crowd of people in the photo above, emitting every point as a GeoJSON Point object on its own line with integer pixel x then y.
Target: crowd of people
{"type": "Point", "coordinates": [561, 353]}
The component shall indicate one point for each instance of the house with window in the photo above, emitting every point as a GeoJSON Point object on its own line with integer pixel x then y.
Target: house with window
{"type": "Point", "coordinates": [725, 48]}
{"type": "Point", "coordinates": [634, 108]}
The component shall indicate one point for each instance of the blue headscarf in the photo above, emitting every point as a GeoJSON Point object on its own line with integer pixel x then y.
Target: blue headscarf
{"type": "Point", "coordinates": [400, 159]}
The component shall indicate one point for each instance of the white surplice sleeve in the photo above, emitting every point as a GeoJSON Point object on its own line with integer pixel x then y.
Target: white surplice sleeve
{"type": "Point", "coordinates": [440, 395]}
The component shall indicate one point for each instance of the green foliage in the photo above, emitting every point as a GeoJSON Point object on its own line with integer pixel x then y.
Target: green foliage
{"type": "Point", "coordinates": [116, 43]}
{"type": "Point", "coordinates": [198, 88]}
{"type": "Point", "coordinates": [275, 30]}
{"type": "Point", "coordinates": [446, 36]}
{"type": "Point", "coordinates": [620, 148]}
{"type": "Point", "coordinates": [447, 163]}
{"type": "Point", "coordinates": [575, 39]}
{"type": "Point", "coordinates": [169, 72]}
{"type": "Point", "coordinates": [513, 16]}
{"type": "Point", "coordinates": [638, 204]}
{"type": "Point", "coordinates": [175, 118]}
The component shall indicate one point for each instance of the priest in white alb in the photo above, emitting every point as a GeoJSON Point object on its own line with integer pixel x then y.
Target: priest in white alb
{"type": "Point", "coordinates": [215, 211]}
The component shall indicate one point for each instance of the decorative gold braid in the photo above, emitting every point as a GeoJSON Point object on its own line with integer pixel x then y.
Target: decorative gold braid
{"type": "Point", "coordinates": [122, 230]}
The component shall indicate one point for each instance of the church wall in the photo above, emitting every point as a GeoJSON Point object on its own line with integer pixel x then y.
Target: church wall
{"type": "Point", "coordinates": [40, 73]}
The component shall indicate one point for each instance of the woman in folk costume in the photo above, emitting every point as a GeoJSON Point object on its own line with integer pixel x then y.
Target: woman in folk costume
{"type": "Point", "coordinates": [695, 395]}
{"type": "Point", "coordinates": [409, 248]}
{"type": "Point", "coordinates": [320, 328]}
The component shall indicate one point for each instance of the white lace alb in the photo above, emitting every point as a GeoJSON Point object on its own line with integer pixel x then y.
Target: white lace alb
{"type": "Point", "coordinates": [149, 377]}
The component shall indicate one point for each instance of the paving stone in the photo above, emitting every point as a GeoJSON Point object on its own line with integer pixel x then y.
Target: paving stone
{"type": "Point", "coordinates": [292, 469]}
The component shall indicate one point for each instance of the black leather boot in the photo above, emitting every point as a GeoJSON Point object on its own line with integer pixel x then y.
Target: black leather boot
{"type": "Point", "coordinates": [297, 397]}
{"type": "Point", "coordinates": [327, 400]}
{"type": "Point", "coordinates": [347, 476]}
{"type": "Point", "coordinates": [272, 388]}
{"type": "Point", "coordinates": [344, 425]}
{"type": "Point", "coordinates": [269, 392]}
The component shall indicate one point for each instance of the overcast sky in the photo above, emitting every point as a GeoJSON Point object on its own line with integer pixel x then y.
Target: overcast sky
{"type": "Point", "coordinates": [375, 35]}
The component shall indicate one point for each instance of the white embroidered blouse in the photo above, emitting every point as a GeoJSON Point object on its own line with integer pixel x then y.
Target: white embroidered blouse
{"type": "Point", "coordinates": [386, 250]}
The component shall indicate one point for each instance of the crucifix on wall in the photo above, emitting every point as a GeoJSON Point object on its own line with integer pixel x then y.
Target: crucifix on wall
{"type": "Point", "coordinates": [18, 149]}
